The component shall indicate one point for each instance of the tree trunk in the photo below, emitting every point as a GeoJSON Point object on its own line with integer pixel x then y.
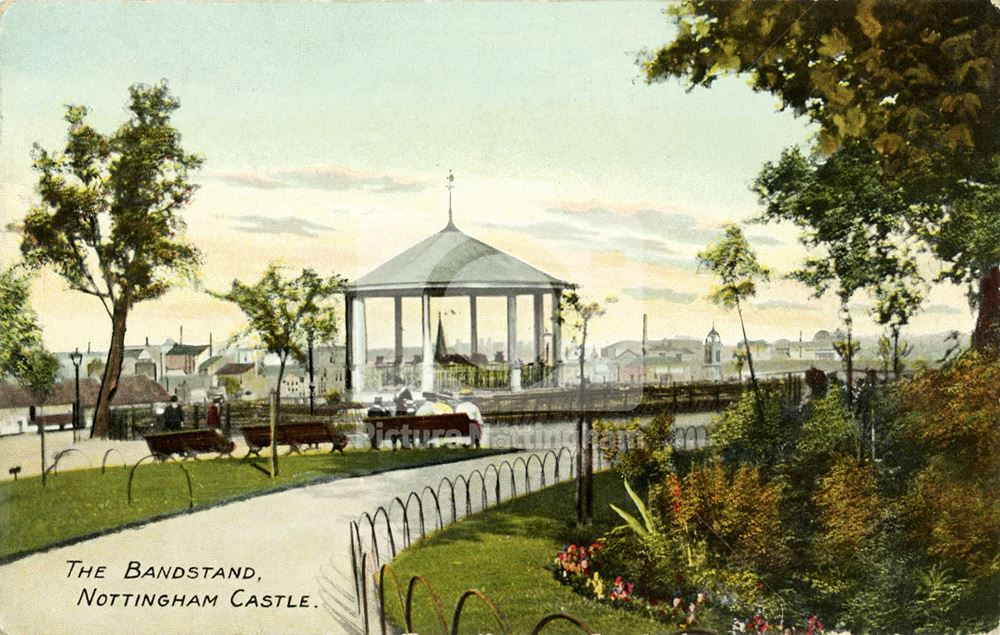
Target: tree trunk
{"type": "Point", "coordinates": [986, 337]}
{"type": "Point", "coordinates": [41, 433]}
{"type": "Point", "coordinates": [275, 419]}
{"type": "Point", "coordinates": [895, 353]}
{"type": "Point", "coordinates": [112, 369]}
{"type": "Point", "coordinates": [746, 344]}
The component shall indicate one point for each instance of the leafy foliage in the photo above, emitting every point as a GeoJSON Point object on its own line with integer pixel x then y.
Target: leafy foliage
{"type": "Point", "coordinates": [797, 518]}
{"type": "Point", "coordinates": [108, 220]}
{"type": "Point", "coordinates": [828, 430]}
{"type": "Point", "coordinates": [731, 530]}
{"type": "Point", "coordinates": [916, 80]}
{"type": "Point", "coordinates": [641, 454]}
{"type": "Point", "coordinates": [751, 429]}
{"type": "Point", "coordinates": [852, 222]}
{"type": "Point", "coordinates": [22, 354]}
{"type": "Point", "coordinates": [735, 263]}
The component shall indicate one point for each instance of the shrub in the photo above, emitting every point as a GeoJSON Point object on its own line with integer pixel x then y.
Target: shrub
{"type": "Point", "coordinates": [640, 454]}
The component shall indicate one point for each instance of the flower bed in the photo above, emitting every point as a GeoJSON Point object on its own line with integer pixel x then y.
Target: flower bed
{"type": "Point", "coordinates": [580, 566]}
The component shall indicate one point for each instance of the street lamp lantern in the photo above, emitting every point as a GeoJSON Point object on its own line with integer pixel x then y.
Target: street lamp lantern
{"type": "Point", "coordinates": [76, 357]}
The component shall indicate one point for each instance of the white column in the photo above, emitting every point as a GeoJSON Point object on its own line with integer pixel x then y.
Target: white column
{"type": "Point", "coordinates": [511, 329]}
{"type": "Point", "coordinates": [473, 326]}
{"type": "Point", "coordinates": [359, 347]}
{"type": "Point", "coordinates": [539, 328]}
{"type": "Point", "coordinates": [427, 366]}
{"type": "Point", "coordinates": [556, 336]}
{"type": "Point", "coordinates": [397, 314]}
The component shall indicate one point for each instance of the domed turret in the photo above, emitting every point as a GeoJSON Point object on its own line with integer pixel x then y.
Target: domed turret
{"type": "Point", "coordinates": [713, 351]}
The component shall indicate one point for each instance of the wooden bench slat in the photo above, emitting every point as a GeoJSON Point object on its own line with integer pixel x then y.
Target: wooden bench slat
{"type": "Point", "coordinates": [293, 435]}
{"type": "Point", "coordinates": [435, 426]}
{"type": "Point", "coordinates": [188, 443]}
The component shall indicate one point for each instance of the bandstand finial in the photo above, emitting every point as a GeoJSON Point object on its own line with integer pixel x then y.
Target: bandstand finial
{"type": "Point", "coordinates": [451, 186]}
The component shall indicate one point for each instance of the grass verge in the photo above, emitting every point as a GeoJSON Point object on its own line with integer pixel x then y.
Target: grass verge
{"type": "Point", "coordinates": [83, 503]}
{"type": "Point", "coordinates": [503, 552]}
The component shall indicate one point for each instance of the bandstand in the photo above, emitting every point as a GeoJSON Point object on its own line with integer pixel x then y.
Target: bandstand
{"type": "Point", "coordinates": [451, 263]}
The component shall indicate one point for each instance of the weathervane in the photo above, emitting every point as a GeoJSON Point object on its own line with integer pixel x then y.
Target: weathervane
{"type": "Point", "coordinates": [451, 186]}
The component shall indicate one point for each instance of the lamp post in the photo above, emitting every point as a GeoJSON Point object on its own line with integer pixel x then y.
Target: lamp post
{"type": "Point", "coordinates": [312, 387]}
{"type": "Point", "coordinates": [77, 358]}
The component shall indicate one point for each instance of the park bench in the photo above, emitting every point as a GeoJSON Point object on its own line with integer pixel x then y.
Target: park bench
{"type": "Point", "coordinates": [294, 435]}
{"type": "Point", "coordinates": [188, 444]}
{"type": "Point", "coordinates": [409, 429]}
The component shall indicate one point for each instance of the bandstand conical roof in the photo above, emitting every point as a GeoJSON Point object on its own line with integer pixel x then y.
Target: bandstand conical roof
{"type": "Point", "coordinates": [452, 261]}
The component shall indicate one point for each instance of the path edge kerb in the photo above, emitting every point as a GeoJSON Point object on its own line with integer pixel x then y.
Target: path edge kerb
{"type": "Point", "coordinates": [319, 480]}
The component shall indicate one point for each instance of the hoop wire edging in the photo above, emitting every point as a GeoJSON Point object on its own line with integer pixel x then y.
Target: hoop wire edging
{"type": "Point", "coordinates": [54, 468]}
{"type": "Point", "coordinates": [437, 504]}
{"type": "Point", "coordinates": [406, 520]}
{"type": "Point", "coordinates": [104, 460]}
{"type": "Point", "coordinates": [497, 613]}
{"type": "Point", "coordinates": [187, 475]}
{"type": "Point", "coordinates": [375, 553]}
{"type": "Point", "coordinates": [484, 497]}
{"type": "Point", "coordinates": [438, 607]}
{"type": "Point", "coordinates": [555, 617]}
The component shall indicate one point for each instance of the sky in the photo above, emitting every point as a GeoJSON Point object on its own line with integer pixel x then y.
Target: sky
{"type": "Point", "coordinates": [328, 131]}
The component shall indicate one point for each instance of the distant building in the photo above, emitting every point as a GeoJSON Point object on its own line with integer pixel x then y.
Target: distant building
{"type": "Point", "coordinates": [712, 367]}
{"type": "Point", "coordinates": [16, 402]}
{"type": "Point", "coordinates": [183, 359]}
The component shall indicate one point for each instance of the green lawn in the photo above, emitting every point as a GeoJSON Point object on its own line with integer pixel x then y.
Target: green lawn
{"type": "Point", "coordinates": [80, 503]}
{"type": "Point", "coordinates": [504, 552]}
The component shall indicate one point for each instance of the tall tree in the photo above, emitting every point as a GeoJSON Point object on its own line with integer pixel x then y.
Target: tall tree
{"type": "Point", "coordinates": [735, 263]}
{"type": "Point", "coordinates": [854, 225]}
{"type": "Point", "coordinates": [108, 220]}
{"type": "Point", "coordinates": [580, 313]}
{"type": "Point", "coordinates": [284, 313]}
{"type": "Point", "coordinates": [916, 81]}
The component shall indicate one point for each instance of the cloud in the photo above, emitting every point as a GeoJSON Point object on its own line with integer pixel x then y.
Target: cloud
{"type": "Point", "coordinates": [254, 224]}
{"type": "Point", "coordinates": [943, 309]}
{"type": "Point", "coordinates": [764, 240]}
{"type": "Point", "coordinates": [551, 229]}
{"type": "Point", "coordinates": [650, 224]}
{"type": "Point", "coordinates": [649, 246]}
{"type": "Point", "coordinates": [329, 178]}
{"type": "Point", "coordinates": [785, 305]}
{"type": "Point", "coordinates": [660, 293]}
{"type": "Point", "coordinates": [249, 179]}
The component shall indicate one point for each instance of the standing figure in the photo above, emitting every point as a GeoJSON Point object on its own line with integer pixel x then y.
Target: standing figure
{"type": "Point", "coordinates": [212, 415]}
{"type": "Point", "coordinates": [173, 416]}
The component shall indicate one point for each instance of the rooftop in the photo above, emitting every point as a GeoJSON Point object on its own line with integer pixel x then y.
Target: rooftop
{"type": "Point", "coordinates": [190, 350]}
{"type": "Point", "coordinates": [235, 369]}
{"type": "Point", "coordinates": [453, 260]}
{"type": "Point", "coordinates": [131, 391]}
